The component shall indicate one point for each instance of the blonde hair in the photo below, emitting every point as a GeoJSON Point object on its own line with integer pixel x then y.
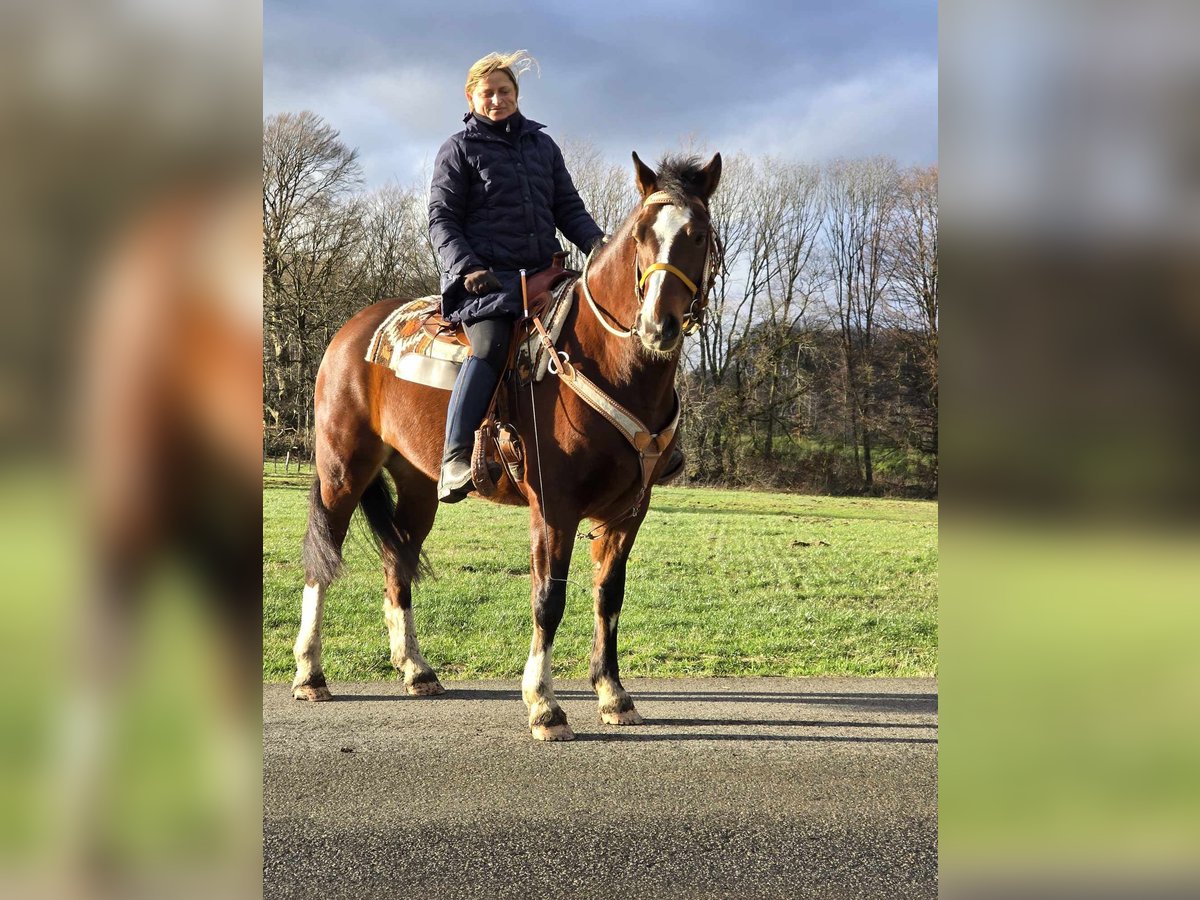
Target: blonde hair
{"type": "Point", "coordinates": [511, 64]}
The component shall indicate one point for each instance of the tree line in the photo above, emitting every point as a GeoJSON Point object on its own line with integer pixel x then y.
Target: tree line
{"type": "Point", "coordinates": [816, 368]}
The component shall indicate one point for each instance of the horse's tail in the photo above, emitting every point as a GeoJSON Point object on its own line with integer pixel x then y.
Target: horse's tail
{"type": "Point", "coordinates": [394, 544]}
{"type": "Point", "coordinates": [322, 558]}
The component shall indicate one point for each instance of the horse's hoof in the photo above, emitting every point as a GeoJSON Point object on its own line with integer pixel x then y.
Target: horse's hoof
{"type": "Point", "coordinates": [553, 732]}
{"type": "Point", "coordinates": [310, 693]}
{"type": "Point", "coordinates": [628, 717]}
{"type": "Point", "coordinates": [425, 688]}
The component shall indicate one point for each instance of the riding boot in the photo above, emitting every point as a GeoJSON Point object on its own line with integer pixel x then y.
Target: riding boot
{"type": "Point", "coordinates": [468, 404]}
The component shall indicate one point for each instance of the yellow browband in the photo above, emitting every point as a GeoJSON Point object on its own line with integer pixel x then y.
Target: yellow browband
{"type": "Point", "coordinates": [659, 198]}
{"type": "Point", "coordinates": [666, 267]}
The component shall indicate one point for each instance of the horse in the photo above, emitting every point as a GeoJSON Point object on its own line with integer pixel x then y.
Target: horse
{"type": "Point", "coordinates": [169, 433]}
{"type": "Point", "coordinates": [640, 292]}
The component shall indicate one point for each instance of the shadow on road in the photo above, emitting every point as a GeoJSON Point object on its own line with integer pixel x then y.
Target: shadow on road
{"type": "Point", "coordinates": [734, 729]}
{"type": "Point", "coordinates": [909, 703]}
{"type": "Point", "coordinates": [401, 697]}
{"type": "Point", "coordinates": [904, 703]}
{"type": "Point", "coordinates": [723, 736]}
{"type": "Point", "coordinates": [789, 723]}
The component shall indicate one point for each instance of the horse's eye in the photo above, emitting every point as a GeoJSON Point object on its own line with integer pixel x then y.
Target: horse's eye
{"type": "Point", "coordinates": [699, 237]}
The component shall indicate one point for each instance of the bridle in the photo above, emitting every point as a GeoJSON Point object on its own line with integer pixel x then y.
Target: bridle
{"type": "Point", "coordinates": [693, 319]}
{"type": "Point", "coordinates": [649, 445]}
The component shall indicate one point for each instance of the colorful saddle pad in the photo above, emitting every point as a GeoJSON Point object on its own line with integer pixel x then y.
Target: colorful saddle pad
{"type": "Point", "coordinates": [423, 355]}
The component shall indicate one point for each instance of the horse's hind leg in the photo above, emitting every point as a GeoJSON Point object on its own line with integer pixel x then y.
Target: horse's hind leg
{"type": "Point", "coordinates": [552, 544]}
{"type": "Point", "coordinates": [412, 518]}
{"type": "Point", "coordinates": [610, 553]}
{"type": "Point", "coordinates": [335, 493]}
{"type": "Point", "coordinates": [322, 562]}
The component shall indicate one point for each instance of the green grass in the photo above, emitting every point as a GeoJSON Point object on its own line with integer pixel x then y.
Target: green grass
{"type": "Point", "coordinates": [720, 583]}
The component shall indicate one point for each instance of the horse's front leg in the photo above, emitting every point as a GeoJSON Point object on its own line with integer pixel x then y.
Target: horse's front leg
{"type": "Point", "coordinates": [551, 560]}
{"type": "Point", "coordinates": [610, 553]}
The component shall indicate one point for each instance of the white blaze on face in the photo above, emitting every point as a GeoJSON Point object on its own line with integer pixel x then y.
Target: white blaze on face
{"type": "Point", "coordinates": [668, 224]}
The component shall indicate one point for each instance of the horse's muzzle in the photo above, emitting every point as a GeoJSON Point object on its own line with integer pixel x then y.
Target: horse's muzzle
{"type": "Point", "coordinates": [661, 337]}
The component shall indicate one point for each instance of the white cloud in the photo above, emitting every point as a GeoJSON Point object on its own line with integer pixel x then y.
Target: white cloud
{"type": "Point", "coordinates": [891, 110]}
{"type": "Point", "coordinates": [856, 83]}
{"type": "Point", "coordinates": [389, 115]}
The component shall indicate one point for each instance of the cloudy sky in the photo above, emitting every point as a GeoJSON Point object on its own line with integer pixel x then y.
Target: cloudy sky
{"type": "Point", "coordinates": [803, 80]}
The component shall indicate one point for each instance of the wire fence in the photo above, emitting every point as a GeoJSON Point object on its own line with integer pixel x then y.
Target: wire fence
{"type": "Point", "coordinates": [298, 463]}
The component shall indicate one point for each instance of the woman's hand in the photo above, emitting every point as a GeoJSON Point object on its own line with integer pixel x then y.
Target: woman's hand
{"type": "Point", "coordinates": [480, 282]}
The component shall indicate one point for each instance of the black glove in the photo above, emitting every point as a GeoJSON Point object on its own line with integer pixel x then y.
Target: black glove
{"type": "Point", "coordinates": [480, 282]}
{"type": "Point", "coordinates": [597, 242]}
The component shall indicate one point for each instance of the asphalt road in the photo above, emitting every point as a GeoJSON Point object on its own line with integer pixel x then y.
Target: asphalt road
{"type": "Point", "coordinates": [738, 787]}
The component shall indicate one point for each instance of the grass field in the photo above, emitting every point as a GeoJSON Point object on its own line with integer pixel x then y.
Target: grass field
{"type": "Point", "coordinates": [720, 583]}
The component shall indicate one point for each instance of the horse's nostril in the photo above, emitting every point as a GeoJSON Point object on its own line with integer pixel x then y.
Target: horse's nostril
{"type": "Point", "coordinates": [670, 329]}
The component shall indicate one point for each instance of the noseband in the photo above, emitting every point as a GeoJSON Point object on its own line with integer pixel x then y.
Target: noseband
{"type": "Point", "coordinates": [693, 319]}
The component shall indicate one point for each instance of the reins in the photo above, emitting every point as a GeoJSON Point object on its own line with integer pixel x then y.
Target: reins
{"type": "Point", "coordinates": [647, 444]}
{"type": "Point", "coordinates": [599, 313]}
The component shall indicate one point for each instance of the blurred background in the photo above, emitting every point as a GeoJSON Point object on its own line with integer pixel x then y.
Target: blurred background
{"type": "Point", "coordinates": [130, 442]}
{"type": "Point", "coordinates": [130, 448]}
{"type": "Point", "coordinates": [1070, 681]}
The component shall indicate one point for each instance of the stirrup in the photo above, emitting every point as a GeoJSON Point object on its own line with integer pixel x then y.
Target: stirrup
{"type": "Point", "coordinates": [484, 472]}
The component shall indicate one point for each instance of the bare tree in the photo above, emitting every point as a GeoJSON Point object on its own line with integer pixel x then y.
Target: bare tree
{"type": "Point", "coordinates": [916, 265]}
{"type": "Point", "coordinates": [395, 235]}
{"type": "Point", "coordinates": [311, 230]}
{"type": "Point", "coordinates": [818, 356]}
{"type": "Point", "coordinates": [790, 228]}
{"type": "Point", "coordinates": [607, 189]}
{"type": "Point", "coordinates": [860, 201]}
{"type": "Point", "coordinates": [709, 377]}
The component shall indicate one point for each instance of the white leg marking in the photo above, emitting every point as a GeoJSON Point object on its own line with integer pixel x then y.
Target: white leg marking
{"type": "Point", "coordinates": [402, 635]}
{"type": "Point", "coordinates": [611, 698]}
{"type": "Point", "coordinates": [537, 688]}
{"type": "Point", "coordinates": [605, 692]}
{"type": "Point", "coordinates": [307, 649]}
{"type": "Point", "coordinates": [616, 707]}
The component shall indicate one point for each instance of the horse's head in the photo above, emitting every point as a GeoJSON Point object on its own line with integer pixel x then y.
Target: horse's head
{"type": "Point", "coordinates": [675, 246]}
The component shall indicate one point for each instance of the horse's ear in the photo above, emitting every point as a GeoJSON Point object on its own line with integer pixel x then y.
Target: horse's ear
{"type": "Point", "coordinates": [647, 181]}
{"type": "Point", "coordinates": [710, 176]}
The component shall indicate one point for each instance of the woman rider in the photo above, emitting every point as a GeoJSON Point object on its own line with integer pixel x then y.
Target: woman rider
{"type": "Point", "coordinates": [500, 188]}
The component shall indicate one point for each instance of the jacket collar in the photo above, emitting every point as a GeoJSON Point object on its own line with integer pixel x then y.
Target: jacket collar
{"type": "Point", "coordinates": [475, 129]}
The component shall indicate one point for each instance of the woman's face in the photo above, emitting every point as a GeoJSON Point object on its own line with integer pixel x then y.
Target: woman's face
{"type": "Point", "coordinates": [494, 97]}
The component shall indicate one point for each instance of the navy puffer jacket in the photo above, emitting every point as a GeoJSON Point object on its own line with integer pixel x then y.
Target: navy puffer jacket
{"type": "Point", "coordinates": [496, 198]}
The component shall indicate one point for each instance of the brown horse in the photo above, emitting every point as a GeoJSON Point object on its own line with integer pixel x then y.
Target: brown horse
{"type": "Point", "coordinates": [646, 287]}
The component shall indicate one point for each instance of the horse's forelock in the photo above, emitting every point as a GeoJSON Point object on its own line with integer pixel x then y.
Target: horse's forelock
{"type": "Point", "coordinates": [680, 176]}
{"type": "Point", "coordinates": [677, 175]}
